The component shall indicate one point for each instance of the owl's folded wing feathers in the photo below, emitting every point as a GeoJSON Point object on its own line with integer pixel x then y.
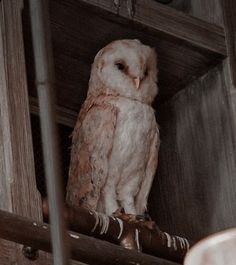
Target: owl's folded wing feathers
{"type": "Point", "coordinates": [91, 146]}
{"type": "Point", "coordinates": [142, 196]}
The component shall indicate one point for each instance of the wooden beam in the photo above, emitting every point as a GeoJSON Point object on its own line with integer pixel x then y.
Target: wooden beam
{"type": "Point", "coordinates": [161, 18]}
{"type": "Point", "coordinates": [126, 231]}
{"type": "Point", "coordinates": [86, 249]}
{"type": "Point", "coordinates": [64, 115]}
{"type": "Point", "coordinates": [229, 11]}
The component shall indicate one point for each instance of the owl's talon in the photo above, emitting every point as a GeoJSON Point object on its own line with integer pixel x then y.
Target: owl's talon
{"type": "Point", "coordinates": [120, 211]}
{"type": "Point", "coordinates": [140, 217]}
{"type": "Point", "coordinates": [144, 220]}
{"type": "Point", "coordinates": [147, 216]}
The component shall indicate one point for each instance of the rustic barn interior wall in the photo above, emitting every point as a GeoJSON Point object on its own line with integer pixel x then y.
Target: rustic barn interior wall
{"type": "Point", "coordinates": [17, 175]}
{"type": "Point", "coordinates": [76, 47]}
{"type": "Point", "coordinates": [233, 98]}
{"type": "Point", "coordinates": [193, 194]}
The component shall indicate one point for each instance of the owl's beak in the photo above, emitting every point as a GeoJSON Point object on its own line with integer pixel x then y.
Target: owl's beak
{"type": "Point", "coordinates": [137, 82]}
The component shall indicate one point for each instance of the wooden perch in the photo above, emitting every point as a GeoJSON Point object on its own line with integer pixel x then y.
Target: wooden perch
{"type": "Point", "coordinates": [83, 248]}
{"type": "Point", "coordinates": [128, 234]}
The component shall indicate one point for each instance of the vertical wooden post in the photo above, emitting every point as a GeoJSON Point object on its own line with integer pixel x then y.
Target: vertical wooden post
{"type": "Point", "coordinates": [18, 192]}
{"type": "Point", "coordinates": [228, 11]}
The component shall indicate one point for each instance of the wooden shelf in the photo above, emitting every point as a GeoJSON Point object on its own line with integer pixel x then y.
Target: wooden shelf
{"type": "Point", "coordinates": [186, 46]}
{"type": "Point", "coordinates": [160, 18]}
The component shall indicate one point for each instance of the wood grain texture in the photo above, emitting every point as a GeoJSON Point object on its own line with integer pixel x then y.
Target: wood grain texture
{"type": "Point", "coordinates": [165, 19]}
{"type": "Point", "coordinates": [209, 11]}
{"type": "Point", "coordinates": [17, 182]}
{"type": "Point", "coordinates": [194, 192]}
{"type": "Point", "coordinates": [17, 177]}
{"type": "Point", "coordinates": [229, 10]}
{"type": "Point", "coordinates": [233, 103]}
{"type": "Point", "coordinates": [195, 186]}
{"type": "Point", "coordinates": [18, 153]}
{"type": "Point", "coordinates": [198, 148]}
{"type": "Point", "coordinates": [79, 31]}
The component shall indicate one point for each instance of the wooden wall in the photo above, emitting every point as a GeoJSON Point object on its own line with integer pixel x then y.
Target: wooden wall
{"type": "Point", "coordinates": [206, 10]}
{"type": "Point", "coordinates": [194, 192]}
{"type": "Point", "coordinates": [18, 191]}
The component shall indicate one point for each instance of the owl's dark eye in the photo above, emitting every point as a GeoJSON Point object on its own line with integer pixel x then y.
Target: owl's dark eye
{"type": "Point", "coordinates": [120, 66]}
{"type": "Point", "coordinates": [146, 72]}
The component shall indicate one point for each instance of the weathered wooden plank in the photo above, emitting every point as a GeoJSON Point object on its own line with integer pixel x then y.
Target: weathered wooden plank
{"type": "Point", "coordinates": [206, 211]}
{"type": "Point", "coordinates": [94, 251]}
{"type": "Point", "coordinates": [233, 102]}
{"type": "Point", "coordinates": [167, 20]}
{"type": "Point", "coordinates": [229, 11]}
{"type": "Point", "coordinates": [18, 153]}
{"type": "Point", "coordinates": [231, 91]}
{"type": "Point", "coordinates": [17, 176]}
{"type": "Point", "coordinates": [209, 11]}
{"type": "Point", "coordinates": [194, 191]}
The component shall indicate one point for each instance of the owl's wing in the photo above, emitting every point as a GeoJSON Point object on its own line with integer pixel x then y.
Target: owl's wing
{"type": "Point", "coordinates": [142, 196]}
{"type": "Point", "coordinates": [92, 142]}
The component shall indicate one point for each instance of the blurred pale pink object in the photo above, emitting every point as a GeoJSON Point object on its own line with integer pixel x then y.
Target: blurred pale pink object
{"type": "Point", "coordinates": [217, 249]}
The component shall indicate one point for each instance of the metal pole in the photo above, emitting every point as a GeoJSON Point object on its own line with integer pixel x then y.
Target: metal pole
{"type": "Point", "coordinates": [44, 81]}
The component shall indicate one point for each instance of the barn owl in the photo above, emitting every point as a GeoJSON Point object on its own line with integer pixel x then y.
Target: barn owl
{"type": "Point", "coordinates": [116, 139]}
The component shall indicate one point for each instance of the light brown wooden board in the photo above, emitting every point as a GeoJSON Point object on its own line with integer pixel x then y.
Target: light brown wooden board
{"type": "Point", "coordinates": [17, 177]}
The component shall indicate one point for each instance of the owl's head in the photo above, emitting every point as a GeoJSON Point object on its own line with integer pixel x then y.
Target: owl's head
{"type": "Point", "coordinates": [125, 68]}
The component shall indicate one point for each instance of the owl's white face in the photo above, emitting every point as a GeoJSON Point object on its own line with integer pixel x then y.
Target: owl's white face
{"type": "Point", "coordinates": [125, 68]}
